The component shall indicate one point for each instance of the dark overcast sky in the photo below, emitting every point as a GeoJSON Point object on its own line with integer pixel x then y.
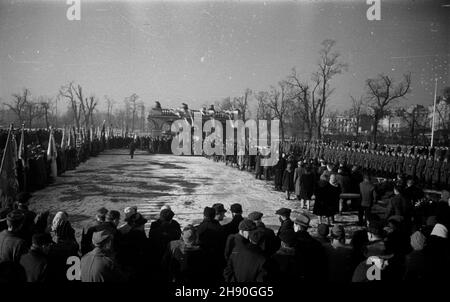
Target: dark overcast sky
{"type": "Point", "coordinates": [199, 52]}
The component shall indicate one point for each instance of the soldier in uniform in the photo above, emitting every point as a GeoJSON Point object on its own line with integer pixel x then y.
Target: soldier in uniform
{"type": "Point", "coordinates": [444, 172]}
{"type": "Point", "coordinates": [436, 172]}
{"type": "Point", "coordinates": [420, 169]}
{"type": "Point", "coordinates": [399, 163]}
{"type": "Point", "coordinates": [429, 170]}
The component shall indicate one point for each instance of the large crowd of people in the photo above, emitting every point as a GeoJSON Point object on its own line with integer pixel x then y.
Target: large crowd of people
{"type": "Point", "coordinates": [35, 247]}
{"type": "Point", "coordinates": [406, 239]}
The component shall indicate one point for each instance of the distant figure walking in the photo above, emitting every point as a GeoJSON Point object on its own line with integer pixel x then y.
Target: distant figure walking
{"type": "Point", "coordinates": [132, 149]}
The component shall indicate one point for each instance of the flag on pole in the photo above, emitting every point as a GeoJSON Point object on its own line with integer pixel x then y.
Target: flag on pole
{"type": "Point", "coordinates": [8, 169]}
{"type": "Point", "coordinates": [23, 152]}
{"type": "Point", "coordinates": [69, 139]}
{"type": "Point", "coordinates": [52, 154]}
{"type": "Point", "coordinates": [63, 140]}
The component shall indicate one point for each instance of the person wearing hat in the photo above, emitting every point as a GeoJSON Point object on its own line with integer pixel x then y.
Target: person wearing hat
{"type": "Point", "coordinates": [185, 258]}
{"type": "Point", "coordinates": [242, 237]}
{"type": "Point", "coordinates": [284, 216]}
{"type": "Point", "coordinates": [311, 251]}
{"type": "Point", "coordinates": [415, 260]}
{"type": "Point", "coordinates": [212, 239]}
{"type": "Point", "coordinates": [220, 211]}
{"type": "Point", "coordinates": [270, 242]}
{"type": "Point", "coordinates": [35, 262]}
{"type": "Point", "coordinates": [99, 265]}
{"type": "Point", "coordinates": [161, 233]}
{"type": "Point", "coordinates": [22, 200]}
{"type": "Point", "coordinates": [86, 235]}
{"type": "Point", "coordinates": [339, 256]}
{"type": "Point", "coordinates": [323, 230]}
{"type": "Point", "coordinates": [437, 250]}
{"type": "Point", "coordinates": [12, 247]}
{"type": "Point", "coordinates": [400, 206]}
{"type": "Point", "coordinates": [129, 212]}
{"type": "Point", "coordinates": [233, 226]}
{"type": "Point", "coordinates": [286, 264]}
{"type": "Point", "coordinates": [246, 262]}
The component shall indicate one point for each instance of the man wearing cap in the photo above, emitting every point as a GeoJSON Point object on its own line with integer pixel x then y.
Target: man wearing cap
{"type": "Point", "coordinates": [185, 258]}
{"type": "Point", "coordinates": [270, 242]}
{"type": "Point", "coordinates": [233, 226]}
{"type": "Point", "coordinates": [286, 264]}
{"type": "Point", "coordinates": [212, 239]}
{"type": "Point", "coordinates": [338, 256]}
{"type": "Point", "coordinates": [233, 240]}
{"type": "Point", "coordinates": [161, 233]}
{"type": "Point", "coordinates": [247, 262]}
{"type": "Point", "coordinates": [35, 261]}
{"type": "Point", "coordinates": [284, 215]}
{"type": "Point", "coordinates": [12, 247]}
{"type": "Point", "coordinates": [376, 254]}
{"type": "Point", "coordinates": [86, 236]}
{"type": "Point", "coordinates": [99, 265]}
{"type": "Point", "coordinates": [28, 223]}
{"type": "Point", "coordinates": [400, 206]}
{"type": "Point", "coordinates": [310, 252]}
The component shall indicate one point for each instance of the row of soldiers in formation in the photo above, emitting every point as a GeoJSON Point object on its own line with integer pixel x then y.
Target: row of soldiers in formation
{"type": "Point", "coordinates": [428, 166]}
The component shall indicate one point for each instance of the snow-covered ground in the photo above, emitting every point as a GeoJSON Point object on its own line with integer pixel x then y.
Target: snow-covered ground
{"type": "Point", "coordinates": [187, 184]}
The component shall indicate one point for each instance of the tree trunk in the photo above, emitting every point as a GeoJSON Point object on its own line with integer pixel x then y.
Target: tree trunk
{"type": "Point", "coordinates": [375, 128]}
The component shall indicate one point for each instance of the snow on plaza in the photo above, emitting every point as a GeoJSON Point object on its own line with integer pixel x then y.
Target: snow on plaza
{"type": "Point", "coordinates": [186, 183]}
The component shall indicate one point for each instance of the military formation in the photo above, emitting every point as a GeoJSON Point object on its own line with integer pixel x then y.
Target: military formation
{"type": "Point", "coordinates": [427, 166]}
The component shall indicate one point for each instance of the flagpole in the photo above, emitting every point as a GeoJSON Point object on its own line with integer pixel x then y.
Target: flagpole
{"type": "Point", "coordinates": [434, 113]}
{"type": "Point", "coordinates": [7, 143]}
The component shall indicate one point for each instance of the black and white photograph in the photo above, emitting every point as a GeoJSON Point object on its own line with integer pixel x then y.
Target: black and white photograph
{"type": "Point", "coordinates": [209, 145]}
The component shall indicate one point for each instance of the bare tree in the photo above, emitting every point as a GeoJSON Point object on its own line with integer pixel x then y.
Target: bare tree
{"type": "Point", "coordinates": [280, 103]}
{"type": "Point", "coordinates": [416, 119]}
{"type": "Point", "coordinates": [46, 104]}
{"type": "Point", "coordinates": [224, 104]}
{"type": "Point", "coordinates": [307, 104]}
{"type": "Point", "coordinates": [329, 65]}
{"type": "Point", "coordinates": [241, 103]}
{"type": "Point", "coordinates": [382, 93]}
{"type": "Point", "coordinates": [110, 104]}
{"type": "Point", "coordinates": [263, 111]}
{"type": "Point", "coordinates": [130, 102]}
{"type": "Point", "coordinates": [19, 104]}
{"type": "Point", "coordinates": [33, 111]}
{"type": "Point", "coordinates": [356, 111]}
{"type": "Point", "coordinates": [68, 92]}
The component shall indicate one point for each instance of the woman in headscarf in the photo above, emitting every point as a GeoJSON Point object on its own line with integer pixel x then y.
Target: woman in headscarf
{"type": "Point", "coordinates": [64, 247]}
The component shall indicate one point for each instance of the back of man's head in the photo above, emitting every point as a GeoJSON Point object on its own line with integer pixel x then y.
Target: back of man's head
{"type": "Point", "coordinates": [14, 220]}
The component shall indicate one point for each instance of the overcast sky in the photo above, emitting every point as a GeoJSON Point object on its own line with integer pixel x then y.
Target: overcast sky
{"type": "Point", "coordinates": [200, 52]}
